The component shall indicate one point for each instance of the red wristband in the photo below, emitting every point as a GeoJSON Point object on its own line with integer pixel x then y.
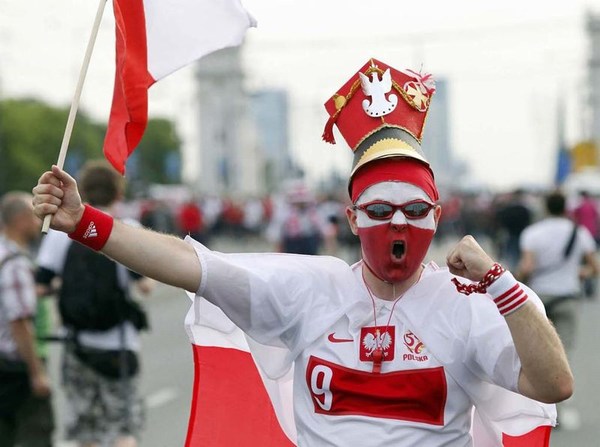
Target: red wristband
{"type": "Point", "coordinates": [93, 229]}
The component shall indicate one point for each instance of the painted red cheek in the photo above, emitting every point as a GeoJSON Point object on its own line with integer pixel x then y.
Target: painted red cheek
{"type": "Point", "coordinates": [377, 245]}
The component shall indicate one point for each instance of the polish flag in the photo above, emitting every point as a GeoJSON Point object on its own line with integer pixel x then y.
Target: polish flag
{"type": "Point", "coordinates": [235, 403]}
{"type": "Point", "coordinates": [154, 38]}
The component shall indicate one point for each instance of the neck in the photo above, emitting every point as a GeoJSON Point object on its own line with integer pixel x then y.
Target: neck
{"type": "Point", "coordinates": [388, 291]}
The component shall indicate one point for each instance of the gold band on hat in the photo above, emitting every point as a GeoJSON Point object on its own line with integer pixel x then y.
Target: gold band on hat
{"type": "Point", "coordinates": [385, 148]}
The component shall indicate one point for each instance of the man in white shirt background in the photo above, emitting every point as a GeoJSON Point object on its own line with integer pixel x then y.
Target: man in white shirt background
{"type": "Point", "coordinates": [556, 254]}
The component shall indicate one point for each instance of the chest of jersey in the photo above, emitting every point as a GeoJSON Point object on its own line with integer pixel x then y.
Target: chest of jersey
{"type": "Point", "coordinates": [342, 376]}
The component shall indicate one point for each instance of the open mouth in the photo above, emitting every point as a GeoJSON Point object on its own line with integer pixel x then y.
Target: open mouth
{"type": "Point", "coordinates": [398, 249]}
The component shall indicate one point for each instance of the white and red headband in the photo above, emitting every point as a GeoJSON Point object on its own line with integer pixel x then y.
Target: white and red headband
{"type": "Point", "coordinates": [396, 169]}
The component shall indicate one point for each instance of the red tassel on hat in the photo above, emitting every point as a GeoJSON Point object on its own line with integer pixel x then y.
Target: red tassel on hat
{"type": "Point", "coordinates": [328, 131]}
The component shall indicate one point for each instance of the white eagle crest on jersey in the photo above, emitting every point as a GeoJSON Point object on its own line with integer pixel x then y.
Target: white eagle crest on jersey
{"type": "Point", "coordinates": [374, 341]}
{"type": "Point", "coordinates": [377, 89]}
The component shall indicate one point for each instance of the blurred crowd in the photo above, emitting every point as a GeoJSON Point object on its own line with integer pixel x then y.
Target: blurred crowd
{"type": "Point", "coordinates": [299, 221]}
{"type": "Point", "coordinates": [499, 219]}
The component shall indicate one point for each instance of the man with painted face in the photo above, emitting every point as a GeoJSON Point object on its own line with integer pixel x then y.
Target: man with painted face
{"type": "Point", "coordinates": [389, 351]}
{"type": "Point", "coordinates": [395, 217]}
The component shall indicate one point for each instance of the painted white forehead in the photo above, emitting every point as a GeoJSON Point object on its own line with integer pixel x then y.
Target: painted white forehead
{"type": "Point", "coordinates": [393, 192]}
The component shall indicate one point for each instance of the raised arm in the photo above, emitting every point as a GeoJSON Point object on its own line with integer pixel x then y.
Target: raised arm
{"type": "Point", "coordinates": [545, 373]}
{"type": "Point", "coordinates": [162, 257]}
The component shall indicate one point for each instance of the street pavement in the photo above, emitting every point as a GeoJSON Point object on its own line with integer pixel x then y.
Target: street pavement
{"type": "Point", "coordinates": [167, 365]}
{"type": "Point", "coordinates": [586, 369]}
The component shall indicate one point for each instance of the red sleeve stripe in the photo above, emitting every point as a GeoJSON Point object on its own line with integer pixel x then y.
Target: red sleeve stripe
{"type": "Point", "coordinates": [507, 293]}
{"type": "Point", "coordinates": [513, 305]}
{"type": "Point", "coordinates": [513, 296]}
{"type": "Point", "coordinates": [511, 300]}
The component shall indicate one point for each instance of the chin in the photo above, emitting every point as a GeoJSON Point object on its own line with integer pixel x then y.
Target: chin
{"type": "Point", "coordinates": [394, 277]}
{"type": "Point", "coordinates": [392, 273]}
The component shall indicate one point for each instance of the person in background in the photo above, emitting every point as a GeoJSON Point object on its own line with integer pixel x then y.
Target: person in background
{"type": "Point", "coordinates": [552, 253]}
{"type": "Point", "coordinates": [26, 416]}
{"type": "Point", "coordinates": [298, 227]}
{"type": "Point", "coordinates": [331, 212]}
{"type": "Point", "coordinates": [254, 216]}
{"type": "Point", "coordinates": [512, 218]}
{"type": "Point", "coordinates": [191, 221]}
{"type": "Point", "coordinates": [586, 214]}
{"type": "Point", "coordinates": [100, 370]}
{"type": "Point", "coordinates": [231, 218]}
{"type": "Point", "coordinates": [157, 216]}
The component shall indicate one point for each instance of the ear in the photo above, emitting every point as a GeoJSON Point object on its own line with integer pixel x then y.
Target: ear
{"type": "Point", "coordinates": [437, 213]}
{"type": "Point", "coordinates": [351, 216]}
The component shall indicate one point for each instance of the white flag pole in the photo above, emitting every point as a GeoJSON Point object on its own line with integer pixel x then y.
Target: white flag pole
{"type": "Point", "coordinates": [75, 103]}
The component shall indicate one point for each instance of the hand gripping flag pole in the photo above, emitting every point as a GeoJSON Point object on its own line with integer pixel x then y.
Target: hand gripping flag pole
{"type": "Point", "coordinates": [76, 97]}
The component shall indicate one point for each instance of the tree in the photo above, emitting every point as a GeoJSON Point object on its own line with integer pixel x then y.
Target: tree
{"type": "Point", "coordinates": [30, 136]}
{"type": "Point", "coordinates": [156, 152]}
{"type": "Point", "coordinates": [31, 133]}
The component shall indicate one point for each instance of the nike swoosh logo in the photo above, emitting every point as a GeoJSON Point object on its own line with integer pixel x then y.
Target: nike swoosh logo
{"type": "Point", "coordinates": [332, 339]}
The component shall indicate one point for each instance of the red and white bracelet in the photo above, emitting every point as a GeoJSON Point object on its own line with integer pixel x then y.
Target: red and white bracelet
{"type": "Point", "coordinates": [480, 287]}
{"type": "Point", "coordinates": [93, 229]}
{"type": "Point", "coordinates": [507, 293]}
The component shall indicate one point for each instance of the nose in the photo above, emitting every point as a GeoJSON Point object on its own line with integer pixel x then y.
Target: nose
{"type": "Point", "coordinates": [398, 220]}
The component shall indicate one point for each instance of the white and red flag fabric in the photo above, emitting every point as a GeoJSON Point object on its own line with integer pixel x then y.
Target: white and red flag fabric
{"type": "Point", "coordinates": [233, 402]}
{"type": "Point", "coordinates": [154, 38]}
{"type": "Point", "coordinates": [244, 390]}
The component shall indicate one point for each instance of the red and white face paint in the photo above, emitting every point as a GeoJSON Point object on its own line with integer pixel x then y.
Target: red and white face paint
{"type": "Point", "coordinates": [394, 249]}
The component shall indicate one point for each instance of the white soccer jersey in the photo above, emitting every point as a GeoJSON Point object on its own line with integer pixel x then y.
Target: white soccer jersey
{"type": "Point", "coordinates": [319, 311]}
{"type": "Point", "coordinates": [555, 275]}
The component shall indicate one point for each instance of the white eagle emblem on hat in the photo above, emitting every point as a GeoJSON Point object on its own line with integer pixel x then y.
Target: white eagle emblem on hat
{"type": "Point", "coordinates": [377, 89]}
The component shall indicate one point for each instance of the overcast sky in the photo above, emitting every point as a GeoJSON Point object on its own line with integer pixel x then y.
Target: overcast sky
{"type": "Point", "coordinates": [506, 64]}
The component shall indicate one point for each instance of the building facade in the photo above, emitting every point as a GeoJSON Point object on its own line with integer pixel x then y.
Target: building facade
{"type": "Point", "coordinates": [270, 114]}
{"type": "Point", "coordinates": [229, 161]}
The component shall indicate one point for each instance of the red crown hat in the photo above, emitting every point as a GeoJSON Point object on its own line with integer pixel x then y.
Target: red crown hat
{"type": "Point", "coordinates": [381, 113]}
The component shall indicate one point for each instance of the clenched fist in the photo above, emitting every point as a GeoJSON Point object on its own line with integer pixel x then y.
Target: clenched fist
{"type": "Point", "coordinates": [469, 260]}
{"type": "Point", "coordinates": [56, 194]}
